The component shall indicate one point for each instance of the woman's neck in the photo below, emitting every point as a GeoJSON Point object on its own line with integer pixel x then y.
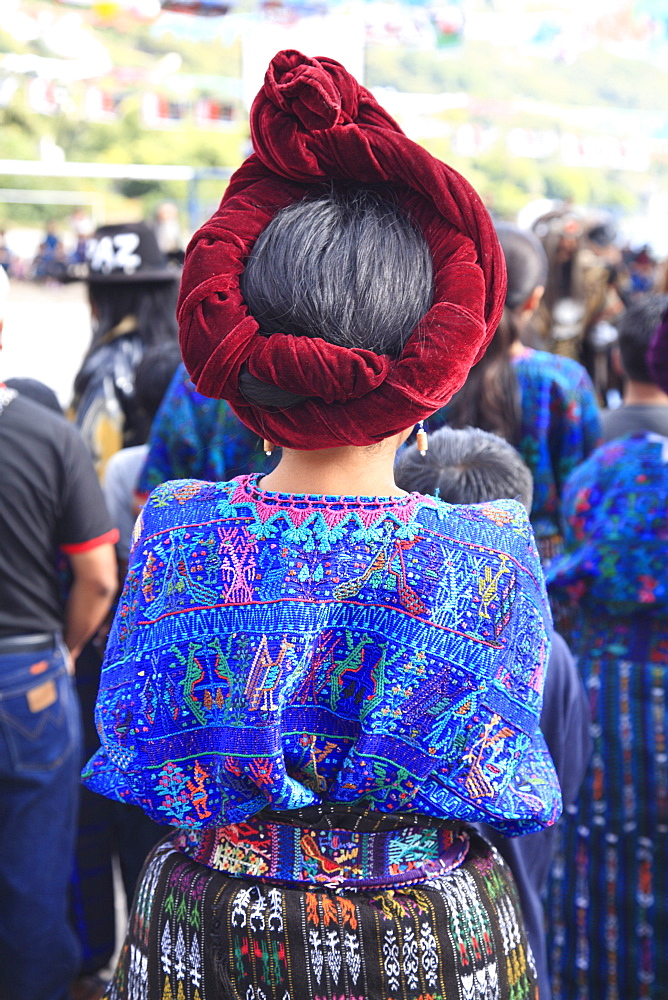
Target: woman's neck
{"type": "Point", "coordinates": [345, 471]}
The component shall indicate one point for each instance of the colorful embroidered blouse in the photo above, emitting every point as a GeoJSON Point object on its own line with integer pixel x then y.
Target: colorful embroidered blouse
{"type": "Point", "coordinates": [616, 542]}
{"type": "Point", "coordinates": [277, 650]}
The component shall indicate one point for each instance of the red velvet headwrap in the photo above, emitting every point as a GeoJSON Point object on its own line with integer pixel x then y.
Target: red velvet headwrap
{"type": "Point", "coordinates": [313, 122]}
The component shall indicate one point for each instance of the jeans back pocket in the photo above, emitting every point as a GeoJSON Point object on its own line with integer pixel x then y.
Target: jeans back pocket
{"type": "Point", "coordinates": [40, 724]}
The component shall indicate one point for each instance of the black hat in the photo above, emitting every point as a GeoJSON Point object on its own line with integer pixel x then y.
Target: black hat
{"type": "Point", "coordinates": [125, 253]}
{"type": "Point", "coordinates": [602, 234]}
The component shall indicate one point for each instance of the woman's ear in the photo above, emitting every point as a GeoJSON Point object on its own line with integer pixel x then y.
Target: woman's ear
{"type": "Point", "coordinates": [532, 303]}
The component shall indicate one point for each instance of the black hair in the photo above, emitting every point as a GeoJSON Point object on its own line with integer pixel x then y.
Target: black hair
{"type": "Point", "coordinates": [465, 466]}
{"type": "Point", "coordinates": [40, 393]}
{"type": "Point", "coordinates": [152, 377]}
{"type": "Point", "coordinates": [561, 234]}
{"type": "Point", "coordinates": [636, 327]}
{"type": "Point", "coordinates": [149, 311]}
{"type": "Point", "coordinates": [490, 397]}
{"type": "Point", "coordinates": [602, 234]}
{"type": "Point", "coordinates": [526, 263]}
{"type": "Point", "coordinates": [152, 303]}
{"type": "Point", "coordinates": [348, 266]}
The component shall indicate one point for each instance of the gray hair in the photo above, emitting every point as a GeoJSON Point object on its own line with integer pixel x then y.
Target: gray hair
{"type": "Point", "coordinates": [466, 466]}
{"type": "Point", "coordinates": [348, 266]}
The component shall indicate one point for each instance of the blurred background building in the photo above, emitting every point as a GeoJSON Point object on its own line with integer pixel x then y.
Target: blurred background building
{"type": "Point", "coordinates": [535, 102]}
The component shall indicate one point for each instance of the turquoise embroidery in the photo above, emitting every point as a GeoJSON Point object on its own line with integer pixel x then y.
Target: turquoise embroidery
{"type": "Point", "coordinates": [287, 650]}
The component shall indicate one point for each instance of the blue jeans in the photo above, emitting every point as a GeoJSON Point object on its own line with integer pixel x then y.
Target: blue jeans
{"type": "Point", "coordinates": [40, 760]}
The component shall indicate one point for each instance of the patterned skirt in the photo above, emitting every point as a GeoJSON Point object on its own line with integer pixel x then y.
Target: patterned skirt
{"type": "Point", "coordinates": [608, 889]}
{"type": "Point", "coordinates": [196, 933]}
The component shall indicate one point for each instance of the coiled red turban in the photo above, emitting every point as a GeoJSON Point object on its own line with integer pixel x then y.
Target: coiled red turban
{"type": "Point", "coordinates": [313, 122]}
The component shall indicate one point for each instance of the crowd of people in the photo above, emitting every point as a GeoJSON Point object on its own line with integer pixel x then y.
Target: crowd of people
{"type": "Point", "coordinates": [346, 586]}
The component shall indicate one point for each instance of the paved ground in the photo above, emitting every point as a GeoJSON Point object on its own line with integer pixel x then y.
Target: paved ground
{"type": "Point", "coordinates": [46, 333]}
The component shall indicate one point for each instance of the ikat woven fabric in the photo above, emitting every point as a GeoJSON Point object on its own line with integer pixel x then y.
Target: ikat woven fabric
{"type": "Point", "coordinates": [560, 426]}
{"type": "Point", "coordinates": [616, 539]}
{"type": "Point", "coordinates": [279, 650]}
{"type": "Point", "coordinates": [608, 889]}
{"type": "Point", "coordinates": [193, 437]}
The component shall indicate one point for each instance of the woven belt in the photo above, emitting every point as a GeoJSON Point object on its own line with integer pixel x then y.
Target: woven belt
{"type": "Point", "coordinates": [32, 643]}
{"type": "Point", "coordinates": [270, 850]}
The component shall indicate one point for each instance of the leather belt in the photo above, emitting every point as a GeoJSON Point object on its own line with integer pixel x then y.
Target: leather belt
{"type": "Point", "coordinates": [32, 643]}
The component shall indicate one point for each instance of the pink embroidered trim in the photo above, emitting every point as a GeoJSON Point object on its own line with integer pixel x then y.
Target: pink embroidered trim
{"type": "Point", "coordinates": [302, 508]}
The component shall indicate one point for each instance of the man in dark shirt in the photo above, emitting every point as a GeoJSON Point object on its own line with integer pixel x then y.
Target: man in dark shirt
{"type": "Point", "coordinates": [50, 503]}
{"type": "Point", "coordinates": [645, 406]}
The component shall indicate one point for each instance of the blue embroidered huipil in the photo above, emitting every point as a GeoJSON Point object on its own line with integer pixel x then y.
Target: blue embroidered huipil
{"type": "Point", "coordinates": [560, 426]}
{"type": "Point", "coordinates": [612, 585]}
{"type": "Point", "coordinates": [278, 650]}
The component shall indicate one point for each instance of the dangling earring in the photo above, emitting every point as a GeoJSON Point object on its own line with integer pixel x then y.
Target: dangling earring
{"type": "Point", "coordinates": [421, 439]}
{"type": "Point", "coordinates": [269, 448]}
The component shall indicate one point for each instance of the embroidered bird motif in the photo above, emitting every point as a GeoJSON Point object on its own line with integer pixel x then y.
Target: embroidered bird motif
{"type": "Point", "coordinates": [488, 585]}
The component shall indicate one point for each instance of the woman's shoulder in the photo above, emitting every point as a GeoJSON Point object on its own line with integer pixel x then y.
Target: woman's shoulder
{"type": "Point", "coordinates": [499, 526]}
{"type": "Point", "coordinates": [495, 530]}
{"type": "Point", "coordinates": [618, 493]}
{"type": "Point", "coordinates": [180, 502]}
{"type": "Point", "coordinates": [183, 492]}
{"type": "Point", "coordinates": [545, 366]}
{"type": "Point", "coordinates": [495, 520]}
{"type": "Point", "coordinates": [626, 464]}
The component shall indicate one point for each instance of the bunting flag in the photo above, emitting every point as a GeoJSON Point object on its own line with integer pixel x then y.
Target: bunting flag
{"type": "Point", "coordinates": [448, 24]}
{"type": "Point", "coordinates": [205, 8]}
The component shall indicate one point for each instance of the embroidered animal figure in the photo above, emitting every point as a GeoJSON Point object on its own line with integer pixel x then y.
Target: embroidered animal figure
{"type": "Point", "coordinates": [198, 793]}
{"type": "Point", "coordinates": [237, 565]}
{"type": "Point", "coordinates": [477, 783]}
{"type": "Point", "coordinates": [488, 586]}
{"type": "Point", "coordinates": [265, 675]}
